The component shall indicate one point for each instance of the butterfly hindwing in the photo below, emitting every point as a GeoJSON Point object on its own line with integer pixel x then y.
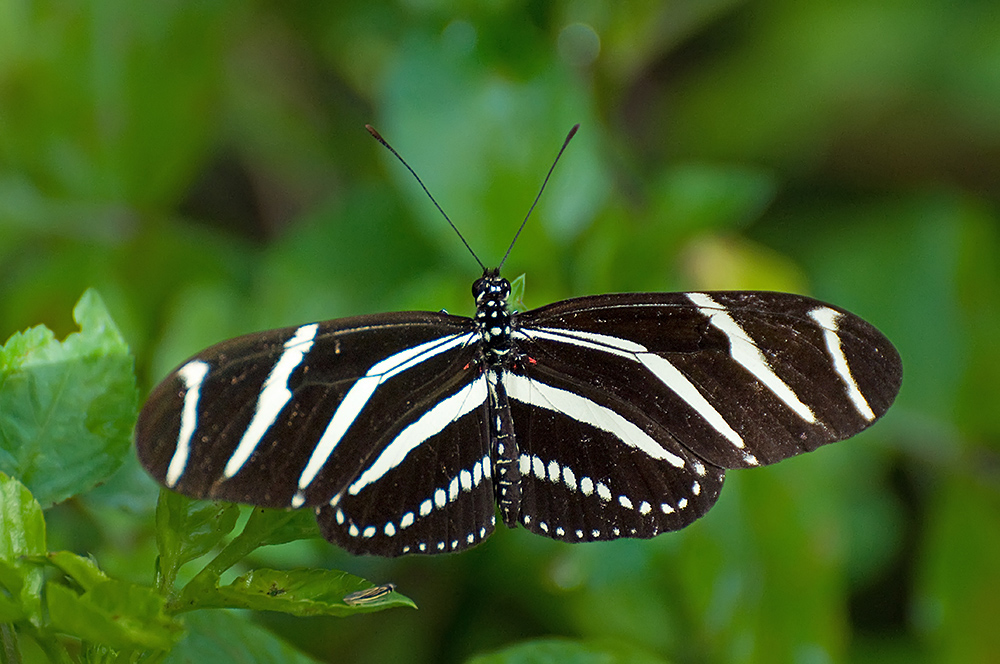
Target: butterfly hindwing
{"type": "Point", "coordinates": [590, 472]}
{"type": "Point", "coordinates": [440, 500]}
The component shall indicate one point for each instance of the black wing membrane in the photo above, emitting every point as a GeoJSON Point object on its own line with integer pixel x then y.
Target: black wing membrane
{"type": "Point", "coordinates": [245, 418]}
{"type": "Point", "coordinates": [738, 378]}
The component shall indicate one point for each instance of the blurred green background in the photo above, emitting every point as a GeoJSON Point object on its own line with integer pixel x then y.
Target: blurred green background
{"type": "Point", "coordinates": [205, 166]}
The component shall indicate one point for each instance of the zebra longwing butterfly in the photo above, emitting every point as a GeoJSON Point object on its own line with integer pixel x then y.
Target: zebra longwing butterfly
{"type": "Point", "coordinates": [588, 419]}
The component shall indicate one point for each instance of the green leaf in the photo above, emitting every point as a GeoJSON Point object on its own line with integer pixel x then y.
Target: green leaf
{"type": "Point", "coordinates": [114, 613]}
{"type": "Point", "coordinates": [79, 568]}
{"type": "Point", "coordinates": [187, 529]}
{"type": "Point", "coordinates": [22, 534]}
{"type": "Point", "coordinates": [225, 637]}
{"type": "Point", "coordinates": [303, 592]}
{"type": "Point", "coordinates": [560, 651]}
{"type": "Point", "coordinates": [264, 527]}
{"type": "Point", "coordinates": [66, 408]}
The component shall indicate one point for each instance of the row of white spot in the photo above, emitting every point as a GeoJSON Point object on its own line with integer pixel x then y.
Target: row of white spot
{"type": "Point", "coordinates": [465, 481]}
{"type": "Point", "coordinates": [555, 473]}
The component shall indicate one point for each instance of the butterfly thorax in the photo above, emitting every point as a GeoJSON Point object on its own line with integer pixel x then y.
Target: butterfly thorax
{"type": "Point", "coordinates": [492, 315]}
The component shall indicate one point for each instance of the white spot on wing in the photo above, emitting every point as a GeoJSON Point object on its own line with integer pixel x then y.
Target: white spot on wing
{"type": "Point", "coordinates": [827, 319]}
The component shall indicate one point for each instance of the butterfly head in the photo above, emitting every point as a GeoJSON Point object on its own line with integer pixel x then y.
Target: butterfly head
{"type": "Point", "coordinates": [492, 315]}
{"type": "Point", "coordinates": [491, 287]}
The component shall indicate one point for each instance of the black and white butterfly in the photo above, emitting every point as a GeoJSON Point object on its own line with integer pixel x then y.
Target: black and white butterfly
{"type": "Point", "coordinates": [588, 419]}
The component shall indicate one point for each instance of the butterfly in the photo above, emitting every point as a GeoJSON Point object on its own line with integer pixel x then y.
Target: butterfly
{"type": "Point", "coordinates": [588, 419]}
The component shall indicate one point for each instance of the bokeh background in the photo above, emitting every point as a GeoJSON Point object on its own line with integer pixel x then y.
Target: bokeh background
{"type": "Point", "coordinates": [205, 166]}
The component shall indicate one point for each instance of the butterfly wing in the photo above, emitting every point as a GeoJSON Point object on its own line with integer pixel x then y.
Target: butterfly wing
{"type": "Point", "coordinates": [651, 396]}
{"type": "Point", "coordinates": [376, 421]}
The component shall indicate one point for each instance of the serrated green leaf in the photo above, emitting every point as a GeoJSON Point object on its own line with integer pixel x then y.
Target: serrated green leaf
{"type": "Point", "coordinates": [564, 651]}
{"type": "Point", "coordinates": [114, 613]}
{"type": "Point", "coordinates": [22, 534]}
{"type": "Point", "coordinates": [187, 529]}
{"type": "Point", "coordinates": [225, 637]}
{"type": "Point", "coordinates": [66, 408]}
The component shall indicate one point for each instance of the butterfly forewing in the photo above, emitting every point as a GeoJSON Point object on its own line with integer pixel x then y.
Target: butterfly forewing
{"type": "Point", "coordinates": [249, 419]}
{"type": "Point", "coordinates": [738, 379]}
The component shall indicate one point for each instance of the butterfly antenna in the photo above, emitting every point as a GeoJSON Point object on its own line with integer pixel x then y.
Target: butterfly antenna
{"type": "Point", "coordinates": [569, 137]}
{"type": "Point", "coordinates": [378, 137]}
